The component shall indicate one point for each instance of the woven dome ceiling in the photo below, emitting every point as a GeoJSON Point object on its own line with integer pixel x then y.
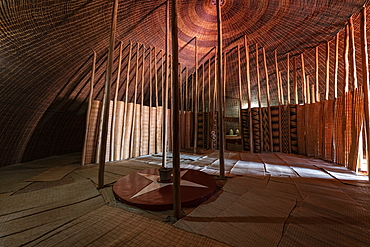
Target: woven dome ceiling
{"type": "Point", "coordinates": [46, 50]}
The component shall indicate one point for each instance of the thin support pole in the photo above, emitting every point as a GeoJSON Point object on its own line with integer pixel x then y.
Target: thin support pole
{"type": "Point", "coordinates": [365, 85]}
{"type": "Point", "coordinates": [317, 73]}
{"type": "Point", "coordinates": [113, 155]}
{"type": "Point", "coordinates": [327, 69]}
{"type": "Point", "coordinates": [196, 97]}
{"type": "Point", "coordinates": [288, 78]}
{"type": "Point", "coordinates": [220, 95]}
{"type": "Point", "coordinates": [336, 65]}
{"type": "Point", "coordinates": [259, 98]}
{"type": "Point", "coordinates": [107, 89]}
{"type": "Point", "coordinates": [165, 89]}
{"type": "Point", "coordinates": [352, 52]}
{"type": "Point", "coordinates": [303, 80]}
{"type": "Point", "coordinates": [248, 76]}
{"type": "Point", "coordinates": [124, 145]}
{"type": "Point", "coordinates": [83, 161]}
{"type": "Point", "coordinates": [295, 85]}
{"type": "Point", "coordinates": [268, 98]}
{"type": "Point", "coordinates": [175, 116]}
{"type": "Point", "coordinates": [240, 99]}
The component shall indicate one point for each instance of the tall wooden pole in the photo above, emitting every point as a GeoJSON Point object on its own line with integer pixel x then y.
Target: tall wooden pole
{"type": "Point", "coordinates": [142, 101]}
{"type": "Point", "coordinates": [317, 73]}
{"type": "Point", "coordinates": [288, 78]}
{"type": "Point", "coordinates": [259, 98]}
{"type": "Point", "coordinates": [165, 89]}
{"type": "Point", "coordinates": [268, 98]}
{"type": "Point", "coordinates": [83, 161]}
{"type": "Point", "coordinates": [303, 80]}
{"type": "Point", "coordinates": [220, 95]}
{"type": "Point", "coordinates": [327, 69]}
{"type": "Point", "coordinates": [209, 85]}
{"type": "Point", "coordinates": [103, 147]}
{"type": "Point", "coordinates": [113, 155]}
{"type": "Point", "coordinates": [365, 84]}
{"type": "Point", "coordinates": [352, 53]}
{"type": "Point", "coordinates": [240, 99]}
{"type": "Point", "coordinates": [295, 85]}
{"type": "Point", "coordinates": [150, 97]}
{"type": "Point", "coordinates": [248, 76]}
{"type": "Point", "coordinates": [336, 66]}
{"type": "Point", "coordinates": [278, 82]}
{"type": "Point", "coordinates": [134, 103]}
{"type": "Point", "coordinates": [126, 145]}
{"type": "Point", "coordinates": [196, 97]}
{"type": "Point", "coordinates": [175, 115]}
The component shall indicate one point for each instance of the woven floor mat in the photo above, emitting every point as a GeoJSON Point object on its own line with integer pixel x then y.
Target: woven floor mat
{"type": "Point", "coordinates": [91, 172]}
{"type": "Point", "coordinates": [110, 226]}
{"type": "Point", "coordinates": [285, 187]}
{"type": "Point", "coordinates": [28, 216]}
{"type": "Point", "coordinates": [241, 185]}
{"type": "Point", "coordinates": [228, 155]}
{"type": "Point", "coordinates": [327, 222]}
{"type": "Point", "coordinates": [308, 186]}
{"type": "Point", "coordinates": [254, 219]}
{"type": "Point", "coordinates": [14, 180]}
{"type": "Point", "coordinates": [55, 173]}
{"type": "Point", "coordinates": [359, 194]}
{"type": "Point", "coordinates": [276, 166]}
{"type": "Point", "coordinates": [229, 164]}
{"type": "Point", "coordinates": [250, 157]}
{"type": "Point", "coordinates": [248, 168]}
{"type": "Point", "coordinates": [149, 159]}
{"type": "Point", "coordinates": [203, 161]}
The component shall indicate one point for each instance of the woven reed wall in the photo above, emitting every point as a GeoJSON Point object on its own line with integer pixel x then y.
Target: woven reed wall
{"type": "Point", "coordinates": [46, 47]}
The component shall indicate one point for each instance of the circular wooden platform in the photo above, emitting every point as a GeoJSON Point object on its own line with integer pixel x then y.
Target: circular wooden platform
{"type": "Point", "coordinates": [141, 189]}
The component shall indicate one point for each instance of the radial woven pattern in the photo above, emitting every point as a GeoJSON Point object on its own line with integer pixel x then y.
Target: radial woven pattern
{"type": "Point", "coordinates": [46, 54]}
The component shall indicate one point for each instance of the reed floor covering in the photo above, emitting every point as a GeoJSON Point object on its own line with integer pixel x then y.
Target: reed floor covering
{"type": "Point", "coordinates": [267, 199]}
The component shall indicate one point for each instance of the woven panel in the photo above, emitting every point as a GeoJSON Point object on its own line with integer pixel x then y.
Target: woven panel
{"type": "Point", "coordinates": [188, 129]}
{"type": "Point", "coordinates": [275, 121]}
{"type": "Point", "coordinates": [159, 129]}
{"type": "Point", "coordinates": [293, 128]}
{"type": "Point", "coordinates": [118, 133]}
{"type": "Point", "coordinates": [136, 136]}
{"type": "Point", "coordinates": [285, 128]}
{"type": "Point", "coordinates": [127, 128]}
{"type": "Point", "coordinates": [338, 135]}
{"type": "Point", "coordinates": [200, 132]}
{"type": "Point", "coordinates": [145, 130]}
{"type": "Point", "coordinates": [301, 130]}
{"type": "Point", "coordinates": [265, 129]}
{"type": "Point", "coordinates": [246, 129]}
{"type": "Point", "coordinates": [256, 130]}
{"type": "Point", "coordinates": [310, 127]}
{"type": "Point", "coordinates": [328, 118]}
{"type": "Point", "coordinates": [152, 132]}
{"type": "Point", "coordinates": [92, 137]}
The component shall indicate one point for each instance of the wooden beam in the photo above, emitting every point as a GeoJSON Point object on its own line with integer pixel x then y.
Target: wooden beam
{"type": "Point", "coordinates": [259, 98]}
{"type": "Point", "coordinates": [304, 93]}
{"type": "Point", "coordinates": [83, 161]}
{"type": "Point", "coordinates": [196, 97]}
{"type": "Point", "coordinates": [279, 99]}
{"type": "Point", "coordinates": [209, 85]}
{"type": "Point", "coordinates": [313, 99]}
{"type": "Point", "coordinates": [240, 99]}
{"type": "Point", "coordinates": [113, 156]}
{"type": "Point", "coordinates": [134, 102]}
{"type": "Point", "coordinates": [317, 74]}
{"type": "Point", "coordinates": [346, 62]}
{"type": "Point", "coordinates": [288, 78]}
{"type": "Point", "coordinates": [125, 145]}
{"type": "Point", "coordinates": [365, 84]}
{"type": "Point", "coordinates": [220, 92]}
{"type": "Point", "coordinates": [308, 94]}
{"type": "Point", "coordinates": [165, 89]}
{"type": "Point", "coordinates": [142, 101]}
{"type": "Point", "coordinates": [248, 77]}
{"type": "Point", "coordinates": [336, 65]}
{"type": "Point", "coordinates": [352, 52]}
{"type": "Point", "coordinates": [175, 116]}
{"type": "Point", "coordinates": [268, 98]}
{"type": "Point", "coordinates": [107, 89]}
{"type": "Point", "coordinates": [327, 69]}
{"type": "Point", "coordinates": [150, 97]}
{"type": "Point", "coordinates": [295, 85]}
